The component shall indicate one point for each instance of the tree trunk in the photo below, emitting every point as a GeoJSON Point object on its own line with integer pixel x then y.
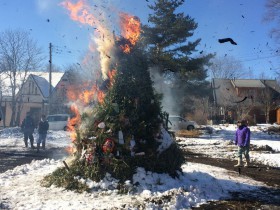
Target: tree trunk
{"type": "Point", "coordinates": [17, 121]}
{"type": "Point", "coordinates": [267, 114]}
{"type": "Point", "coordinates": [13, 116]}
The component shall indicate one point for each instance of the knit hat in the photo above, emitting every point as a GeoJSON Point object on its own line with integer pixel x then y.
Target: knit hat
{"type": "Point", "coordinates": [242, 122]}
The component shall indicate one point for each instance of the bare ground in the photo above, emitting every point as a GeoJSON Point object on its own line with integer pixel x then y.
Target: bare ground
{"type": "Point", "coordinates": [11, 158]}
{"type": "Point", "coordinates": [266, 198]}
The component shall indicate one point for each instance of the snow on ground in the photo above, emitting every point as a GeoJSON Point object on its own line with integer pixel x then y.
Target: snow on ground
{"type": "Point", "coordinates": [220, 144]}
{"type": "Point", "coordinates": [20, 188]}
{"type": "Point", "coordinates": [12, 137]}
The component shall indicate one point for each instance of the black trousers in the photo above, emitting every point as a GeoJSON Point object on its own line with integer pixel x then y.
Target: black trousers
{"type": "Point", "coordinates": [30, 136]}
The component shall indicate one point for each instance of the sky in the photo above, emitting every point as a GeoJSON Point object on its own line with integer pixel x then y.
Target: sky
{"type": "Point", "coordinates": [48, 21]}
{"type": "Point", "coordinates": [20, 188]}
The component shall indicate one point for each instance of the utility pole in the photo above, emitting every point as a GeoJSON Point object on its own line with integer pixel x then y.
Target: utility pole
{"type": "Point", "coordinates": [50, 77]}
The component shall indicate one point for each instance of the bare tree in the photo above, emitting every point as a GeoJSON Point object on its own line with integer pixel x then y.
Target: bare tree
{"type": "Point", "coordinates": [202, 110]}
{"type": "Point", "coordinates": [268, 101]}
{"type": "Point", "coordinates": [18, 55]}
{"type": "Point", "coordinates": [230, 106]}
{"type": "Point", "coordinates": [273, 15]}
{"type": "Point", "coordinates": [226, 68]}
{"type": "Point", "coordinates": [1, 99]}
{"type": "Point", "coordinates": [226, 103]}
{"type": "Point", "coordinates": [243, 109]}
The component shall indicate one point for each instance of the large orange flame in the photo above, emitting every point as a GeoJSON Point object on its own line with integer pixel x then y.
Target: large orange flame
{"type": "Point", "coordinates": [111, 75]}
{"type": "Point", "coordinates": [103, 39]}
{"type": "Point", "coordinates": [74, 121]}
{"type": "Point", "coordinates": [79, 12]}
{"type": "Point", "coordinates": [70, 149]}
{"type": "Point", "coordinates": [86, 93]}
{"type": "Point", "coordinates": [130, 29]}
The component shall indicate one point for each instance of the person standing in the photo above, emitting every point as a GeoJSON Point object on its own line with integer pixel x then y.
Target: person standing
{"type": "Point", "coordinates": [42, 130]}
{"type": "Point", "coordinates": [242, 140]}
{"type": "Point", "coordinates": [27, 126]}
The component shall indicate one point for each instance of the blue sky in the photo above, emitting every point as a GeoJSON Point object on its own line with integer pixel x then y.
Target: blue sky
{"type": "Point", "coordinates": [241, 20]}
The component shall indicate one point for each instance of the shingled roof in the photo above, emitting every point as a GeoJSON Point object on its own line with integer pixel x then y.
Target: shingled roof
{"type": "Point", "coordinates": [41, 78]}
{"type": "Point", "coordinates": [247, 83]}
{"type": "Point", "coordinates": [272, 84]}
{"type": "Point", "coordinates": [42, 84]}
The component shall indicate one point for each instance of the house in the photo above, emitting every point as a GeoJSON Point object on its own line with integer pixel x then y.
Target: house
{"type": "Point", "coordinates": [278, 115]}
{"type": "Point", "coordinates": [59, 98]}
{"type": "Point", "coordinates": [31, 93]}
{"type": "Point", "coordinates": [257, 100]}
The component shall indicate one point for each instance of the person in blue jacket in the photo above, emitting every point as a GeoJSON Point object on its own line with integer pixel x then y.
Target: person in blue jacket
{"type": "Point", "coordinates": [242, 140]}
{"type": "Point", "coordinates": [42, 131]}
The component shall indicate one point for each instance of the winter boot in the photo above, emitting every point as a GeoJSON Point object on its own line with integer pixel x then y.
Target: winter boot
{"type": "Point", "coordinates": [38, 147]}
{"type": "Point", "coordinates": [247, 162]}
{"type": "Point", "coordinates": [31, 142]}
{"type": "Point", "coordinates": [25, 142]}
{"type": "Point", "coordinates": [239, 163]}
{"type": "Point", "coordinates": [43, 145]}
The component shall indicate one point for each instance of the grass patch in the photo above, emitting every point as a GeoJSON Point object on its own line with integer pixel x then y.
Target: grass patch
{"type": "Point", "coordinates": [188, 134]}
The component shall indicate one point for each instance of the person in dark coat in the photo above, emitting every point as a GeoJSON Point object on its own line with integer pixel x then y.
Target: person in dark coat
{"type": "Point", "coordinates": [242, 140]}
{"type": "Point", "coordinates": [28, 126]}
{"type": "Point", "coordinates": [42, 130]}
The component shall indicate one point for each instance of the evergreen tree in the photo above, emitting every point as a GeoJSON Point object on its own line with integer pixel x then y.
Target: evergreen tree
{"type": "Point", "coordinates": [125, 130]}
{"type": "Point", "coordinates": [132, 106]}
{"type": "Point", "coordinates": [171, 51]}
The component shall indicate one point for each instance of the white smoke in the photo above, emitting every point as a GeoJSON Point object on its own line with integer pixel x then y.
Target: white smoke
{"type": "Point", "coordinates": [99, 16]}
{"type": "Point", "coordinates": [163, 85]}
{"type": "Point", "coordinates": [46, 5]}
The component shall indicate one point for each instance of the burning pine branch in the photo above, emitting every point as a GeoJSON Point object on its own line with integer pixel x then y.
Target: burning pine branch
{"type": "Point", "coordinates": [124, 130]}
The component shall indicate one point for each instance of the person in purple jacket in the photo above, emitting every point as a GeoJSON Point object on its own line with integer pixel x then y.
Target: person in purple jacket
{"type": "Point", "coordinates": [242, 140]}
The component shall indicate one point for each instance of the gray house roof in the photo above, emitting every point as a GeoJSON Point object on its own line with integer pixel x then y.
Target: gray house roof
{"type": "Point", "coordinates": [42, 84]}
{"type": "Point", "coordinates": [247, 83]}
{"type": "Point", "coordinates": [21, 77]}
{"type": "Point", "coordinates": [272, 84]}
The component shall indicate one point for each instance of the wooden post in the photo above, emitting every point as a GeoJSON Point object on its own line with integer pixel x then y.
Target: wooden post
{"type": "Point", "coordinates": [50, 77]}
{"type": "Point", "coordinates": [66, 166]}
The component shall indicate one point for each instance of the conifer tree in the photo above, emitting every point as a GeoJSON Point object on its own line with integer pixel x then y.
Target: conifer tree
{"type": "Point", "coordinates": [132, 106]}
{"type": "Point", "coordinates": [168, 38]}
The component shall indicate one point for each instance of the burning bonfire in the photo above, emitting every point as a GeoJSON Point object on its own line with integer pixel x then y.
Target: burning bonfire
{"type": "Point", "coordinates": [118, 125]}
